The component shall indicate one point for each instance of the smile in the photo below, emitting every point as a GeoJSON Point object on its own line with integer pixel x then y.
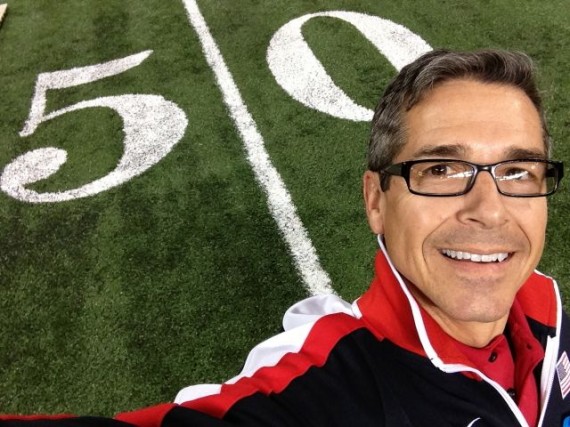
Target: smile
{"type": "Point", "coordinates": [496, 257]}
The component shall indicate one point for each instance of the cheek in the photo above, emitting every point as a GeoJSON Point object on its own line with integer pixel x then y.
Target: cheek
{"type": "Point", "coordinates": [533, 225]}
{"type": "Point", "coordinates": [408, 227]}
{"type": "Point", "coordinates": [531, 216]}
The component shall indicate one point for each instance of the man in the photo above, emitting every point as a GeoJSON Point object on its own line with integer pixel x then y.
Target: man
{"type": "Point", "coordinates": [457, 329]}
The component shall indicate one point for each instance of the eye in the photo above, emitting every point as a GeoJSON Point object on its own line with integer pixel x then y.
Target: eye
{"type": "Point", "coordinates": [443, 170]}
{"type": "Point", "coordinates": [517, 174]}
{"type": "Point", "coordinates": [524, 171]}
{"type": "Point", "coordinates": [438, 170]}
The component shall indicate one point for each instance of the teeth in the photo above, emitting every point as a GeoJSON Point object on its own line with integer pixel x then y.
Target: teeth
{"type": "Point", "coordinates": [497, 257]}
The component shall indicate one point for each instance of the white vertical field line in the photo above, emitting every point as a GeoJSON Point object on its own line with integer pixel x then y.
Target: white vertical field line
{"type": "Point", "coordinates": [279, 200]}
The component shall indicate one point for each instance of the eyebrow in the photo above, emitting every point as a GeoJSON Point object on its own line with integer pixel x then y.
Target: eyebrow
{"type": "Point", "coordinates": [460, 151]}
{"type": "Point", "coordinates": [447, 150]}
{"type": "Point", "coordinates": [525, 153]}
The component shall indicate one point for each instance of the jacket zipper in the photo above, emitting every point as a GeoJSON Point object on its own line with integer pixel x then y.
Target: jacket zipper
{"type": "Point", "coordinates": [452, 369]}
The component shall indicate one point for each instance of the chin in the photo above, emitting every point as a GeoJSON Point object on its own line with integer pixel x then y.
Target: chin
{"type": "Point", "coordinates": [480, 315]}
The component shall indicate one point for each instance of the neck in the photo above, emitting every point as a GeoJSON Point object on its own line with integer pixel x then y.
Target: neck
{"type": "Point", "coordinates": [469, 332]}
{"type": "Point", "coordinates": [473, 334]}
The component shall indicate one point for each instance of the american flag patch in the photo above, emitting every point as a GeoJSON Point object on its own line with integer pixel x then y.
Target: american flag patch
{"type": "Point", "coordinates": [563, 370]}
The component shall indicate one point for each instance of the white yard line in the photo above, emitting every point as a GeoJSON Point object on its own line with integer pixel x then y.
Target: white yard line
{"type": "Point", "coordinates": [279, 200]}
{"type": "Point", "coordinates": [3, 8]}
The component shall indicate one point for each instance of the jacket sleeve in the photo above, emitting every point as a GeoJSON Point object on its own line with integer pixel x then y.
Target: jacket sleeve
{"type": "Point", "coordinates": [256, 396]}
{"type": "Point", "coordinates": [59, 421]}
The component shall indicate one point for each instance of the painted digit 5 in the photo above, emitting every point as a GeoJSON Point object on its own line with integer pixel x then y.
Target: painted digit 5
{"type": "Point", "coordinates": [151, 124]}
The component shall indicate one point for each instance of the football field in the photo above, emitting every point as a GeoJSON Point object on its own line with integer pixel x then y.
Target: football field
{"type": "Point", "coordinates": [175, 174]}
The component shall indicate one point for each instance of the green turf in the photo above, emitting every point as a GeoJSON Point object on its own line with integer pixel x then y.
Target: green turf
{"type": "Point", "coordinates": [119, 300]}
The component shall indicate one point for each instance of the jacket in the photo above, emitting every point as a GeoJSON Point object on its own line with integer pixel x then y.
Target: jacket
{"type": "Point", "coordinates": [375, 362]}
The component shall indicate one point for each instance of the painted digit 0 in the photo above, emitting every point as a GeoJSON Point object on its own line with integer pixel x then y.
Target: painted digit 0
{"type": "Point", "coordinates": [297, 70]}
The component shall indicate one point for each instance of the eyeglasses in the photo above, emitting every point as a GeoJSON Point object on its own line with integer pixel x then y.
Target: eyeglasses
{"type": "Point", "coordinates": [446, 177]}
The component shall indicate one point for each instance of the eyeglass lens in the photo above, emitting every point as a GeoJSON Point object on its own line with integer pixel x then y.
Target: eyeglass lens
{"type": "Point", "coordinates": [517, 178]}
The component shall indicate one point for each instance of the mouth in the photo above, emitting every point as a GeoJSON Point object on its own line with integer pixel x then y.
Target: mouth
{"type": "Point", "coordinates": [496, 257]}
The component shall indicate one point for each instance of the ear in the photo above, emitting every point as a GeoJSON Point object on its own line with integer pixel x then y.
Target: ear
{"type": "Point", "coordinates": [373, 198]}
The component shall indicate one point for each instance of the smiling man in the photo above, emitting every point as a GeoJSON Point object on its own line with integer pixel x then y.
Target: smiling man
{"type": "Point", "coordinates": [458, 174]}
{"type": "Point", "coordinates": [457, 328]}
{"type": "Point", "coordinates": [466, 256]}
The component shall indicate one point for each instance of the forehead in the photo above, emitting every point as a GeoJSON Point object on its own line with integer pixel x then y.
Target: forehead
{"type": "Point", "coordinates": [477, 121]}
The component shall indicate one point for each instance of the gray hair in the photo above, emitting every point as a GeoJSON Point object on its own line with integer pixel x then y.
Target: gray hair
{"type": "Point", "coordinates": [415, 80]}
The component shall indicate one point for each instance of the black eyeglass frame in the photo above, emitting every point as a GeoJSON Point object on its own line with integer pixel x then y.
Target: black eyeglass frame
{"type": "Point", "coordinates": [403, 169]}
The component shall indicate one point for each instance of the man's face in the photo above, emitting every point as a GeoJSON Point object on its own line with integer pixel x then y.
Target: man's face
{"type": "Point", "coordinates": [481, 123]}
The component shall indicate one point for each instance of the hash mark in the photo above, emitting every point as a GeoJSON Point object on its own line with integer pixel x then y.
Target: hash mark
{"type": "Point", "coordinates": [3, 8]}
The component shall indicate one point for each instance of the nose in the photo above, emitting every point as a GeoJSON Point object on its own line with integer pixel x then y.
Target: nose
{"type": "Point", "coordinates": [484, 206]}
